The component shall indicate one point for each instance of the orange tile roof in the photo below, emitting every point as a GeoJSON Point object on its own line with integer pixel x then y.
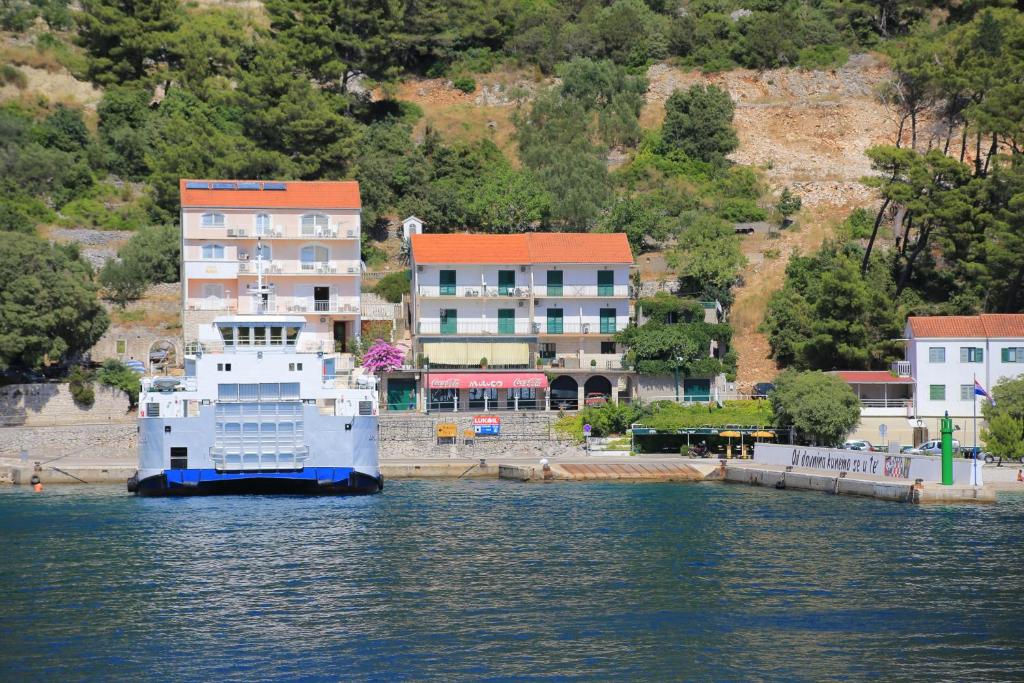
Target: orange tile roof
{"type": "Point", "coordinates": [538, 247]}
{"type": "Point", "coordinates": [319, 194]}
{"type": "Point", "coordinates": [968, 326]}
{"type": "Point", "coordinates": [872, 377]}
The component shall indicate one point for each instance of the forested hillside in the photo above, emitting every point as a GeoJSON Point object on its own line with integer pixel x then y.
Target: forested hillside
{"type": "Point", "coordinates": [306, 89]}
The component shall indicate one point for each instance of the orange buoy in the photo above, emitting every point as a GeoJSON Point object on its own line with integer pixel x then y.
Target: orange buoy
{"type": "Point", "coordinates": [37, 485]}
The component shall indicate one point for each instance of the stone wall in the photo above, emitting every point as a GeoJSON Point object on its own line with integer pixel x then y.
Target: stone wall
{"type": "Point", "coordinates": [137, 343]}
{"type": "Point", "coordinates": [33, 405]}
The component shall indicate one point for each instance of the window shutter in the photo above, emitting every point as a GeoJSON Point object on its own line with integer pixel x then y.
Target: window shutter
{"type": "Point", "coordinates": [963, 354]}
{"type": "Point", "coordinates": [1005, 355]}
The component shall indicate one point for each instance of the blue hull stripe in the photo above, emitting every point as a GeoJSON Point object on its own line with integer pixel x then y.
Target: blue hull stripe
{"type": "Point", "coordinates": [321, 475]}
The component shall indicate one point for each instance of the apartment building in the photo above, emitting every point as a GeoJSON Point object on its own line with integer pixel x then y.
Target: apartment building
{"type": "Point", "coordinates": [944, 355]}
{"type": "Point", "coordinates": [300, 240]}
{"type": "Point", "coordinates": [498, 304]}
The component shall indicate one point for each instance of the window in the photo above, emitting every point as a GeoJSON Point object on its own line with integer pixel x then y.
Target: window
{"type": "Point", "coordinates": [213, 251]}
{"type": "Point", "coordinates": [547, 350]}
{"type": "Point", "coordinates": [449, 321]}
{"type": "Point", "coordinates": [262, 251]}
{"type": "Point", "coordinates": [506, 282]}
{"type": "Point", "coordinates": [608, 347]}
{"type": "Point", "coordinates": [259, 336]}
{"type": "Point", "coordinates": [555, 321]}
{"type": "Point", "coordinates": [554, 283]}
{"type": "Point", "coordinates": [122, 346]}
{"type": "Point", "coordinates": [292, 367]}
{"type": "Point", "coordinates": [244, 335]}
{"type": "Point", "coordinates": [936, 354]}
{"type": "Point", "coordinates": [937, 392]}
{"type": "Point", "coordinates": [212, 220]}
{"type": "Point", "coordinates": [276, 336]}
{"type": "Point", "coordinates": [249, 392]}
{"type": "Point", "coordinates": [607, 321]}
{"type": "Point", "coordinates": [312, 255]}
{"type": "Point", "coordinates": [179, 458]}
{"type": "Point", "coordinates": [605, 283]}
{"type": "Point", "coordinates": [506, 321]}
{"type": "Point", "coordinates": [224, 367]}
{"type": "Point", "coordinates": [153, 409]}
{"type": "Point", "coordinates": [228, 334]}
{"type": "Point", "coordinates": [262, 224]}
{"type": "Point", "coordinates": [971, 354]}
{"type": "Point", "coordinates": [314, 224]}
{"type": "Point", "coordinates": [447, 282]}
{"type": "Point", "coordinates": [290, 335]}
{"type": "Point", "coordinates": [966, 392]}
{"type": "Point", "coordinates": [1012, 354]}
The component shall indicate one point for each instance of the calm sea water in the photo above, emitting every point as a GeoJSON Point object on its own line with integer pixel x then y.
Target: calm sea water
{"type": "Point", "coordinates": [493, 580]}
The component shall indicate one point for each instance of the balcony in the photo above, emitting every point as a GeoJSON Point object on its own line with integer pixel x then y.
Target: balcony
{"type": "Point", "coordinates": [901, 368]}
{"type": "Point", "coordinates": [212, 304]}
{"type": "Point", "coordinates": [570, 327]}
{"type": "Point", "coordinates": [479, 327]}
{"type": "Point", "coordinates": [284, 267]}
{"type": "Point", "coordinates": [585, 361]}
{"type": "Point", "coordinates": [583, 291]}
{"type": "Point", "coordinates": [298, 304]}
{"type": "Point", "coordinates": [275, 233]}
{"type": "Point", "coordinates": [472, 291]}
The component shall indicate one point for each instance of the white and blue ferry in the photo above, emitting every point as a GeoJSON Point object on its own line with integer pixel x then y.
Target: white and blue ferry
{"type": "Point", "coordinates": [258, 412]}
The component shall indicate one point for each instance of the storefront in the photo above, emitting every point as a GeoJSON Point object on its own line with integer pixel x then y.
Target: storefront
{"type": "Point", "coordinates": [460, 391]}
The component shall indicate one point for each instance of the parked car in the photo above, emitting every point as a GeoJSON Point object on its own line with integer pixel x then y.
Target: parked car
{"type": "Point", "coordinates": [909, 449]}
{"type": "Point", "coordinates": [860, 445]}
{"type": "Point", "coordinates": [761, 389]}
{"type": "Point", "coordinates": [977, 453]}
{"type": "Point", "coordinates": [595, 398]}
{"type": "Point", "coordinates": [934, 447]}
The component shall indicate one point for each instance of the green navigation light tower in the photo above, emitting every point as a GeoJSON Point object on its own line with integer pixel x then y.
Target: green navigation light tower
{"type": "Point", "coordinates": [947, 450]}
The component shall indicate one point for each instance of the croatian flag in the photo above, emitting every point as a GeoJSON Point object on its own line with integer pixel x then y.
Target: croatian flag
{"type": "Point", "coordinates": [980, 391]}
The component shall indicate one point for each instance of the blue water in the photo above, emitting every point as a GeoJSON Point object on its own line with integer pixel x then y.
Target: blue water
{"type": "Point", "coordinates": [469, 580]}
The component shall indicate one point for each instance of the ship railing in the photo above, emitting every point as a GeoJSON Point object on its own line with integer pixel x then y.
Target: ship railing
{"type": "Point", "coordinates": [232, 459]}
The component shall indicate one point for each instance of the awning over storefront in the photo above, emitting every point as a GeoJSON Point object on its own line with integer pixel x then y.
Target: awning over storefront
{"type": "Point", "coordinates": [487, 380]}
{"type": "Point", "coordinates": [471, 353]}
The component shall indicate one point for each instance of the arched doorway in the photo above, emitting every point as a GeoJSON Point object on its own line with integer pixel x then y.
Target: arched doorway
{"type": "Point", "coordinates": [564, 393]}
{"type": "Point", "coordinates": [162, 354]}
{"type": "Point", "coordinates": [597, 390]}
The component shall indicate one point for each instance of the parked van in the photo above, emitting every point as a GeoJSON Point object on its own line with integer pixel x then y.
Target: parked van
{"type": "Point", "coordinates": [934, 447]}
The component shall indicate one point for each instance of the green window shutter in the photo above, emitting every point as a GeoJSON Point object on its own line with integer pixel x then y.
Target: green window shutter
{"type": "Point", "coordinates": [554, 321]}
{"type": "Point", "coordinates": [506, 281]}
{"type": "Point", "coordinates": [937, 392]}
{"type": "Point", "coordinates": [607, 321]}
{"type": "Point", "coordinates": [448, 282]}
{"type": "Point", "coordinates": [506, 321]}
{"type": "Point", "coordinates": [605, 283]}
{"type": "Point", "coordinates": [1005, 355]}
{"type": "Point", "coordinates": [979, 355]}
{"type": "Point", "coordinates": [449, 321]}
{"type": "Point", "coordinates": [554, 283]}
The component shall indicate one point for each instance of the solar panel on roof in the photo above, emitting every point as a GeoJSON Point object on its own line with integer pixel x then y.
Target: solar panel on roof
{"type": "Point", "coordinates": [274, 186]}
{"type": "Point", "coordinates": [248, 186]}
{"type": "Point", "coordinates": [223, 186]}
{"type": "Point", "coordinates": [197, 185]}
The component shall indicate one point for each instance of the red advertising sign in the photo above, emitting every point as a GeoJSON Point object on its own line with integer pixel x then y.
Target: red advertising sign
{"type": "Point", "coordinates": [488, 380]}
{"type": "Point", "coordinates": [486, 420]}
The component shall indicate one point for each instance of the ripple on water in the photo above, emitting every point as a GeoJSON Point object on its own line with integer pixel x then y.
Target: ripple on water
{"type": "Point", "coordinates": [472, 579]}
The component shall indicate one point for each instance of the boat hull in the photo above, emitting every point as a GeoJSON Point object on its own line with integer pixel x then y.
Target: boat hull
{"type": "Point", "coordinates": [308, 481]}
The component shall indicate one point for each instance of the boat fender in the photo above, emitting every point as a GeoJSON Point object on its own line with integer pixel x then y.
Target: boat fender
{"type": "Point", "coordinates": [37, 485]}
{"type": "Point", "coordinates": [133, 483]}
{"type": "Point", "coordinates": [781, 483]}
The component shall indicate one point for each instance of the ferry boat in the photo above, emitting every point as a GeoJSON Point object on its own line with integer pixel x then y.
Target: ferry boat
{"type": "Point", "coordinates": [258, 411]}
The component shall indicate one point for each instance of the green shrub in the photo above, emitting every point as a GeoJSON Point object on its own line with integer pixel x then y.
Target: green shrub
{"type": "Point", "coordinates": [858, 225]}
{"type": "Point", "coordinates": [123, 281]}
{"type": "Point", "coordinates": [392, 286]}
{"type": "Point", "coordinates": [464, 83]}
{"type": "Point", "coordinates": [114, 373]}
{"type": "Point", "coordinates": [669, 415]}
{"type": "Point", "coordinates": [823, 57]}
{"type": "Point", "coordinates": [80, 383]}
{"type": "Point", "coordinates": [739, 210]}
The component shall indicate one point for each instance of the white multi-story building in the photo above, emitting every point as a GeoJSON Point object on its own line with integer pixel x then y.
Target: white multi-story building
{"type": "Point", "coordinates": [944, 356]}
{"type": "Point", "coordinates": [302, 236]}
{"type": "Point", "coordinates": [514, 302]}
{"type": "Point", "coordinates": [947, 353]}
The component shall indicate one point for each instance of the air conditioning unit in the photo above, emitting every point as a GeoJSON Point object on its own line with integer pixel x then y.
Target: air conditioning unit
{"type": "Point", "coordinates": [522, 269]}
{"type": "Point", "coordinates": [351, 269]}
{"type": "Point", "coordinates": [419, 269]}
{"type": "Point", "coordinates": [231, 232]}
{"type": "Point", "coordinates": [586, 328]}
{"type": "Point", "coordinates": [521, 304]}
{"type": "Point", "coordinates": [241, 233]}
{"type": "Point", "coordinates": [350, 233]}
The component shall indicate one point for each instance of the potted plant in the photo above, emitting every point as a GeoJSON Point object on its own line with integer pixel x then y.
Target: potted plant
{"type": "Point", "coordinates": [483, 362]}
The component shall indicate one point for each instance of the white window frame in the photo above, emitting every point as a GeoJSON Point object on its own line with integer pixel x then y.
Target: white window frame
{"type": "Point", "coordinates": [213, 219]}
{"type": "Point", "coordinates": [303, 261]}
{"type": "Point", "coordinates": [259, 228]}
{"type": "Point", "coordinates": [942, 352]}
{"type": "Point", "coordinates": [966, 392]}
{"type": "Point", "coordinates": [314, 221]}
{"type": "Point", "coordinates": [268, 252]}
{"type": "Point", "coordinates": [213, 246]}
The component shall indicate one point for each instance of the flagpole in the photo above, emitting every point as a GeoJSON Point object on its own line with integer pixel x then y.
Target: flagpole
{"type": "Point", "coordinates": [974, 451]}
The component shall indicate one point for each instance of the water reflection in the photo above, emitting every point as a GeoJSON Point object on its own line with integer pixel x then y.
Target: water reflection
{"type": "Point", "coordinates": [473, 579]}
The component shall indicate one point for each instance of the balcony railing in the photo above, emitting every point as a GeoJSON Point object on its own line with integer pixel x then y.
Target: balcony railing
{"type": "Point", "coordinates": [475, 327]}
{"type": "Point", "coordinates": [591, 291]}
{"type": "Point", "coordinates": [473, 291]}
{"type": "Point", "coordinates": [901, 368]}
{"type": "Point", "coordinates": [282, 267]}
{"type": "Point", "coordinates": [212, 305]}
{"type": "Point", "coordinates": [571, 327]}
{"type": "Point", "coordinates": [886, 402]}
{"type": "Point", "coordinates": [279, 233]}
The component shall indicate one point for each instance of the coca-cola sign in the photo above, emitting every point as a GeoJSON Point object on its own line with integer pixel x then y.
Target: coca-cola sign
{"type": "Point", "coordinates": [487, 380]}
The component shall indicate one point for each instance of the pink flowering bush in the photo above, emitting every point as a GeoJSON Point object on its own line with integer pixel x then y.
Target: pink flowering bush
{"type": "Point", "coordinates": [383, 357]}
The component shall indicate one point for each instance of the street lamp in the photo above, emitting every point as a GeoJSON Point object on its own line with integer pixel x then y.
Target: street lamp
{"type": "Point", "coordinates": [426, 385]}
{"type": "Point", "coordinates": [678, 361]}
